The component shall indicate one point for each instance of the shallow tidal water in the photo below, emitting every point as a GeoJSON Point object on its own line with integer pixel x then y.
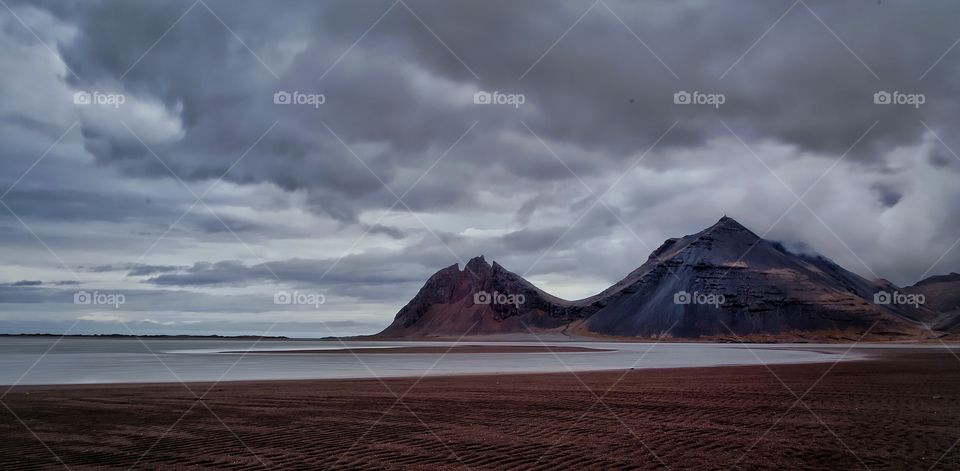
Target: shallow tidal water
{"type": "Point", "coordinates": [47, 360]}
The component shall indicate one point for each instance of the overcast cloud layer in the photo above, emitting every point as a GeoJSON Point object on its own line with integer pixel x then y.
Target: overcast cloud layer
{"type": "Point", "coordinates": [199, 197]}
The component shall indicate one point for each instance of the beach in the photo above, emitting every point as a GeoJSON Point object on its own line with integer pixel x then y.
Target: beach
{"type": "Point", "coordinates": [899, 411]}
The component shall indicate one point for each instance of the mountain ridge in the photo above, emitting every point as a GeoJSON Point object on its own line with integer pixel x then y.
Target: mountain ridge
{"type": "Point", "coordinates": [765, 290]}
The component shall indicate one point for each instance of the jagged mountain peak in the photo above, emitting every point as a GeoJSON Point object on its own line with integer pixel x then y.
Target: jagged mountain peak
{"type": "Point", "coordinates": [476, 262]}
{"type": "Point", "coordinates": [482, 298]}
{"type": "Point", "coordinates": [480, 268]}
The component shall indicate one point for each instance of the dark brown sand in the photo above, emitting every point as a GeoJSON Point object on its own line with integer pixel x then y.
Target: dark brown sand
{"type": "Point", "coordinates": [899, 412]}
{"type": "Point", "coordinates": [442, 350]}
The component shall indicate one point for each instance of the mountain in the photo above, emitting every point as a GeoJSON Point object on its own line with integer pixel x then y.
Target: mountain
{"type": "Point", "coordinates": [942, 295]}
{"type": "Point", "coordinates": [480, 299]}
{"type": "Point", "coordinates": [722, 281]}
{"type": "Point", "coordinates": [764, 289]}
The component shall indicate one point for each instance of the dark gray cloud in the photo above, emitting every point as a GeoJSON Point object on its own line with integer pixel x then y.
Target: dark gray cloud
{"type": "Point", "coordinates": [218, 224]}
{"type": "Point", "coordinates": [27, 283]}
{"type": "Point", "coordinates": [370, 272]}
{"type": "Point", "coordinates": [400, 96]}
{"type": "Point", "coordinates": [134, 269]}
{"type": "Point", "coordinates": [71, 205]}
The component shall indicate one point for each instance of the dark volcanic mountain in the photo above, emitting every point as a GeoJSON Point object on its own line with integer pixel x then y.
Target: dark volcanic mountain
{"type": "Point", "coordinates": [481, 299]}
{"type": "Point", "coordinates": [765, 289]}
{"type": "Point", "coordinates": [721, 281]}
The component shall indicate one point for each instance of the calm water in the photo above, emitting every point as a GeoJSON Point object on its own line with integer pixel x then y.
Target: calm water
{"type": "Point", "coordinates": [39, 360]}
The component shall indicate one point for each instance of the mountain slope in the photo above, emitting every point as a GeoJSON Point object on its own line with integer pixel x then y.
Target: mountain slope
{"type": "Point", "coordinates": [942, 295]}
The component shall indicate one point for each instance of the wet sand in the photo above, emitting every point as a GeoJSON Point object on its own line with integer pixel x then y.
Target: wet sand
{"type": "Point", "coordinates": [901, 411]}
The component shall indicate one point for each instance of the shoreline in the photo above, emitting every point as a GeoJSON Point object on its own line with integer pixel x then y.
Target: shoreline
{"type": "Point", "coordinates": [865, 353]}
{"type": "Point", "coordinates": [877, 355]}
{"type": "Point", "coordinates": [826, 354]}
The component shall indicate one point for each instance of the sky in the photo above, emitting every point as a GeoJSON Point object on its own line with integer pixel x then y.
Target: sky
{"type": "Point", "coordinates": [173, 167]}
